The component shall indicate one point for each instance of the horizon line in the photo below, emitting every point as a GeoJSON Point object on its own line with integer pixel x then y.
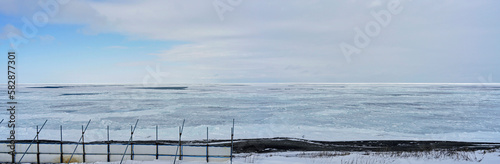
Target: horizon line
{"type": "Point", "coordinates": [239, 83]}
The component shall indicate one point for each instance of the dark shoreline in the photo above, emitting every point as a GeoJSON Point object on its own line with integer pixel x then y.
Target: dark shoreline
{"type": "Point", "coordinates": [293, 144]}
{"type": "Point", "coordinates": [265, 145]}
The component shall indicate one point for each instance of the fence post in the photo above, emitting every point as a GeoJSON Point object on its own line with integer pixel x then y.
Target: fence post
{"type": "Point", "coordinates": [182, 130]}
{"type": "Point", "coordinates": [37, 146]}
{"type": "Point", "coordinates": [74, 150]}
{"type": "Point", "coordinates": [180, 144]}
{"type": "Point", "coordinates": [207, 144]}
{"type": "Point", "coordinates": [109, 156]}
{"type": "Point", "coordinates": [156, 142]}
{"type": "Point", "coordinates": [232, 135]}
{"type": "Point", "coordinates": [131, 143]}
{"type": "Point", "coordinates": [83, 143]}
{"type": "Point", "coordinates": [13, 142]}
{"type": "Point", "coordinates": [61, 147]}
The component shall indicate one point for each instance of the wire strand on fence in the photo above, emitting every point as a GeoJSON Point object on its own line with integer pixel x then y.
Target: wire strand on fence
{"type": "Point", "coordinates": [180, 135]}
{"type": "Point", "coordinates": [38, 131]}
{"type": "Point", "coordinates": [79, 142]}
{"type": "Point", "coordinates": [130, 140]}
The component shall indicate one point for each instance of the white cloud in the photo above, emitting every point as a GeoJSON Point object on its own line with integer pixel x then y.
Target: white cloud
{"type": "Point", "coordinates": [18, 7]}
{"type": "Point", "coordinates": [244, 44]}
{"type": "Point", "coordinates": [47, 38]}
{"type": "Point", "coordinates": [4, 33]}
{"type": "Point", "coordinates": [286, 39]}
{"type": "Point", "coordinates": [375, 3]}
{"type": "Point", "coordinates": [117, 47]}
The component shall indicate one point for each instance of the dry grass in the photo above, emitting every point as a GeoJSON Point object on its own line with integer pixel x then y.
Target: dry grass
{"type": "Point", "coordinates": [75, 159]}
{"type": "Point", "coordinates": [367, 160]}
{"type": "Point", "coordinates": [470, 156]}
{"type": "Point", "coordinates": [251, 158]}
{"type": "Point", "coordinates": [370, 157]}
{"type": "Point", "coordinates": [323, 154]}
{"type": "Point", "coordinates": [391, 157]}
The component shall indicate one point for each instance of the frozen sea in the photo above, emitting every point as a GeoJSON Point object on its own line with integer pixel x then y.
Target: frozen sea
{"type": "Point", "coordinates": [331, 112]}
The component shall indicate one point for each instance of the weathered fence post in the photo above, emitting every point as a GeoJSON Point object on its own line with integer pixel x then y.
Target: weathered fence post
{"type": "Point", "coordinates": [13, 150]}
{"type": "Point", "coordinates": [156, 142]}
{"type": "Point", "coordinates": [61, 147]}
{"type": "Point", "coordinates": [13, 142]}
{"type": "Point", "coordinates": [83, 143]}
{"type": "Point", "coordinates": [109, 155]}
{"type": "Point", "coordinates": [207, 144]}
{"type": "Point", "coordinates": [37, 146]}
{"type": "Point", "coordinates": [180, 144]}
{"type": "Point", "coordinates": [232, 135]}
{"type": "Point", "coordinates": [74, 150]}
{"type": "Point", "coordinates": [131, 143]}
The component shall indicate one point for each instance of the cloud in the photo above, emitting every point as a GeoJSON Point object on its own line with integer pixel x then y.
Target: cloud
{"type": "Point", "coordinates": [4, 33]}
{"type": "Point", "coordinates": [375, 3]}
{"type": "Point", "coordinates": [242, 45]}
{"type": "Point", "coordinates": [47, 38]}
{"type": "Point", "coordinates": [18, 7]}
{"type": "Point", "coordinates": [294, 40]}
{"type": "Point", "coordinates": [260, 39]}
{"type": "Point", "coordinates": [117, 47]}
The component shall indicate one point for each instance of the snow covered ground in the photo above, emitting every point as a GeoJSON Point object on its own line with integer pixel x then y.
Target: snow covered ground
{"type": "Point", "coordinates": [351, 158]}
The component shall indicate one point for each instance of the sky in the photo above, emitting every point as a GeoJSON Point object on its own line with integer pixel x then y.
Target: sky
{"type": "Point", "coordinates": [252, 41]}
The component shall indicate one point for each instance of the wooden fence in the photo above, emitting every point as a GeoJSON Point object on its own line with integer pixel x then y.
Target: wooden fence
{"type": "Point", "coordinates": [59, 151]}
